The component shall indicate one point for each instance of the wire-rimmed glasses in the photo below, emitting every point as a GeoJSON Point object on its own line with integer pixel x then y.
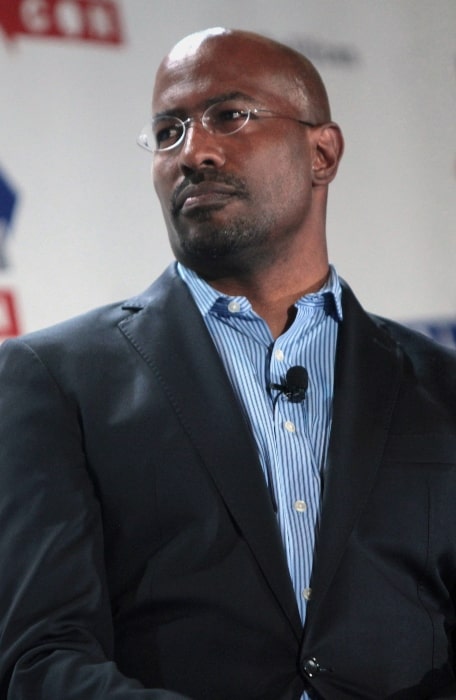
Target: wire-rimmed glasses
{"type": "Point", "coordinates": [167, 131]}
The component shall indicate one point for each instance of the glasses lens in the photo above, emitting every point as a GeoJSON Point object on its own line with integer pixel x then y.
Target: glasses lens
{"type": "Point", "coordinates": [166, 132]}
{"type": "Point", "coordinates": [226, 117]}
{"type": "Point", "coordinates": [145, 139]}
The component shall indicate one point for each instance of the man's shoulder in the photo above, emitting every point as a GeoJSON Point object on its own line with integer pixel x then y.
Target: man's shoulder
{"type": "Point", "coordinates": [413, 341]}
{"type": "Point", "coordinates": [96, 322]}
{"type": "Point", "coordinates": [95, 335]}
{"type": "Point", "coordinates": [426, 362]}
{"type": "Point", "coordinates": [409, 339]}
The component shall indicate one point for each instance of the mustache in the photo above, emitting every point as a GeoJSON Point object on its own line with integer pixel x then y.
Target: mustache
{"type": "Point", "coordinates": [238, 185]}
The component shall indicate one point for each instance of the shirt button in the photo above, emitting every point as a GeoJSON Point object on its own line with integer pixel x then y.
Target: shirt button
{"type": "Point", "coordinates": [300, 506]}
{"type": "Point", "coordinates": [278, 354]}
{"type": "Point", "coordinates": [307, 593]}
{"type": "Point", "coordinates": [290, 426]}
{"type": "Point", "coordinates": [234, 307]}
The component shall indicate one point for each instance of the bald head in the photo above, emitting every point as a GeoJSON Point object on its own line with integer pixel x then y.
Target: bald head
{"type": "Point", "coordinates": [306, 88]}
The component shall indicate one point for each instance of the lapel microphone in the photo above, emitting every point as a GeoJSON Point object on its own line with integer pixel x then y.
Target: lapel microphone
{"type": "Point", "coordinates": [295, 386]}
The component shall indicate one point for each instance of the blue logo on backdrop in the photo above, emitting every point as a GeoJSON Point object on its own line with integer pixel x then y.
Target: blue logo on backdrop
{"type": "Point", "coordinates": [8, 201]}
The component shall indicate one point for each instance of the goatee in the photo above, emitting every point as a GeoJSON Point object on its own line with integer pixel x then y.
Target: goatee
{"type": "Point", "coordinates": [240, 246]}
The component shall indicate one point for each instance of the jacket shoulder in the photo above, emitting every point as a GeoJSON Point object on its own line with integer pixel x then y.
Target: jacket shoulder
{"type": "Point", "coordinates": [89, 328]}
{"type": "Point", "coordinates": [432, 363]}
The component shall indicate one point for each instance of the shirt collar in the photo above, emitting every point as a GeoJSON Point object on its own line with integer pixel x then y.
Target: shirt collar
{"type": "Point", "coordinates": [206, 297]}
{"type": "Point", "coordinates": [329, 296]}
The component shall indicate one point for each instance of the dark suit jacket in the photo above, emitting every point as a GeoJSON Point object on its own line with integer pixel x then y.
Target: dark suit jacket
{"type": "Point", "coordinates": [137, 537]}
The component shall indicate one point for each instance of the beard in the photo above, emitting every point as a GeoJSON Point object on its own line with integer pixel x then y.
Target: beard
{"type": "Point", "coordinates": [210, 242]}
{"type": "Point", "coordinates": [239, 246]}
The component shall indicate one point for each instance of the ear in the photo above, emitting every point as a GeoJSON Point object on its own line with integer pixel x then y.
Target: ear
{"type": "Point", "coordinates": [328, 150]}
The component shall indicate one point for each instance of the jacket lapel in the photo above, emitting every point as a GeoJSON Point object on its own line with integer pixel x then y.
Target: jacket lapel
{"type": "Point", "coordinates": [367, 377]}
{"type": "Point", "coordinates": [170, 335]}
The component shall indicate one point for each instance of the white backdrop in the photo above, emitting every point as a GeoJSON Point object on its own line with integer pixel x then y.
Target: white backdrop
{"type": "Point", "coordinates": [76, 78]}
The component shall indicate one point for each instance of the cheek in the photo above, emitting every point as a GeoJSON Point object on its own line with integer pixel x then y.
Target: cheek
{"type": "Point", "coordinates": [283, 176]}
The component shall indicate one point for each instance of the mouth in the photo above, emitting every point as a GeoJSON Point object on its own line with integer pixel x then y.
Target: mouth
{"type": "Point", "coordinates": [204, 195]}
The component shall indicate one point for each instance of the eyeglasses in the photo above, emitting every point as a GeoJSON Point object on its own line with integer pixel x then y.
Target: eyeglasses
{"type": "Point", "coordinates": [222, 118]}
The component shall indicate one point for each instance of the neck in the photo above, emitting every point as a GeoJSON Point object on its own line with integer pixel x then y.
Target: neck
{"type": "Point", "coordinates": [273, 296]}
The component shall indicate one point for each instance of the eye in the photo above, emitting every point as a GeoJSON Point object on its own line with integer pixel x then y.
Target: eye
{"type": "Point", "coordinates": [167, 131]}
{"type": "Point", "coordinates": [227, 117]}
{"type": "Point", "coordinates": [231, 115]}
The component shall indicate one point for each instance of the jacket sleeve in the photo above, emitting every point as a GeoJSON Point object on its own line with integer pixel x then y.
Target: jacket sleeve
{"type": "Point", "coordinates": [56, 637]}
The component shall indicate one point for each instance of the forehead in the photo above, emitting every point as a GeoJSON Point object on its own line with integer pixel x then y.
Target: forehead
{"type": "Point", "coordinates": [192, 76]}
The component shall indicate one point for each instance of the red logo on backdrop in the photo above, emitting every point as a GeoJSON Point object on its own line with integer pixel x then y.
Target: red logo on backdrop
{"type": "Point", "coordinates": [9, 325]}
{"type": "Point", "coordinates": [84, 20]}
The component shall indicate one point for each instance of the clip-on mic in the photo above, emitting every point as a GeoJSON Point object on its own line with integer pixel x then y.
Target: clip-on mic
{"type": "Point", "coordinates": [295, 386]}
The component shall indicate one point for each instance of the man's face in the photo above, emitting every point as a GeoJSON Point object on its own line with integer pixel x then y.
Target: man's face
{"type": "Point", "coordinates": [232, 203]}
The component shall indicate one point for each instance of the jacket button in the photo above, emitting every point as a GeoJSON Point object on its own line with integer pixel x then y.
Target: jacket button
{"type": "Point", "coordinates": [311, 667]}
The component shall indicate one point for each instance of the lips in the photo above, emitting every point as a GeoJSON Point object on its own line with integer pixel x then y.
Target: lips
{"type": "Point", "coordinates": [204, 194]}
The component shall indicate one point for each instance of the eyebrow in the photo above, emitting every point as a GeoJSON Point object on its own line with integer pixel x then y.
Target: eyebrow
{"type": "Point", "coordinates": [223, 97]}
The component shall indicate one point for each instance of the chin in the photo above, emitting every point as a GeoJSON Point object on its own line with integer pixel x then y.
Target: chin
{"type": "Point", "coordinates": [215, 243]}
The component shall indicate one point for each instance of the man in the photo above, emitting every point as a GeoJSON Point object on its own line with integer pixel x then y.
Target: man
{"type": "Point", "coordinates": [181, 518]}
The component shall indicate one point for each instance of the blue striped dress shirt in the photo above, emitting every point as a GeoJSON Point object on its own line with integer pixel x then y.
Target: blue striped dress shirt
{"type": "Point", "coordinates": [292, 438]}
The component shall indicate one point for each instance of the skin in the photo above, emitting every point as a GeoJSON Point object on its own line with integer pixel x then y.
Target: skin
{"type": "Point", "coordinates": [247, 211]}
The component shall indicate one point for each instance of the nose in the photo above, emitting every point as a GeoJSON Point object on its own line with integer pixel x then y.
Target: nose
{"type": "Point", "coordinates": [200, 149]}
